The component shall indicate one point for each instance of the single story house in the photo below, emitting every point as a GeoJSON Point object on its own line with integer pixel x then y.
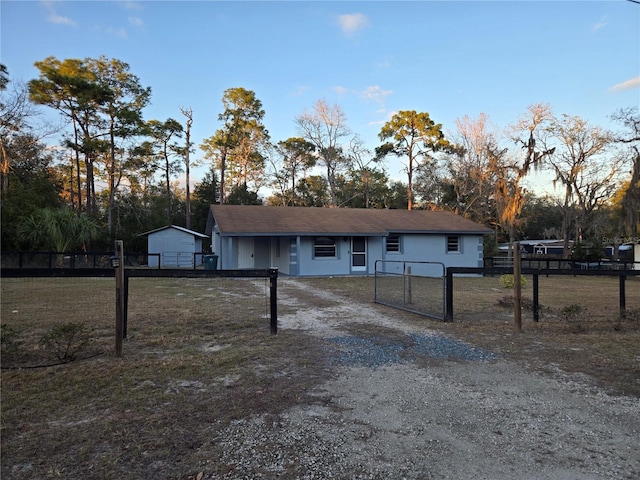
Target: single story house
{"type": "Point", "coordinates": [311, 241]}
{"type": "Point", "coordinates": [174, 247]}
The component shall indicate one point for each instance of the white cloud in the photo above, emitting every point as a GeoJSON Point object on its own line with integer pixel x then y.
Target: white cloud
{"type": "Point", "coordinates": [352, 22]}
{"type": "Point", "coordinates": [60, 20]}
{"type": "Point", "coordinates": [117, 32]}
{"type": "Point", "coordinates": [600, 24]}
{"type": "Point", "coordinates": [382, 64]}
{"type": "Point", "coordinates": [376, 94]}
{"type": "Point", "coordinates": [301, 90]}
{"type": "Point", "coordinates": [340, 90]}
{"type": "Point", "coordinates": [626, 85]}
{"type": "Point", "coordinates": [136, 21]}
{"type": "Point", "coordinates": [132, 5]}
{"type": "Point", "coordinates": [387, 116]}
{"type": "Point", "coordinates": [53, 16]}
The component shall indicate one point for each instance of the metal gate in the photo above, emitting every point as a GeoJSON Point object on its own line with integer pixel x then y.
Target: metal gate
{"type": "Point", "coordinates": [417, 287]}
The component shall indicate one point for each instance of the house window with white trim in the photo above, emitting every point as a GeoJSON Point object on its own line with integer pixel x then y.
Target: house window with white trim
{"type": "Point", "coordinates": [393, 243]}
{"type": "Point", "coordinates": [453, 244]}
{"type": "Point", "coordinates": [324, 247]}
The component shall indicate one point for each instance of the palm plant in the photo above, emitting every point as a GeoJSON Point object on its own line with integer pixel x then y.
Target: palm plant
{"type": "Point", "coordinates": [59, 229]}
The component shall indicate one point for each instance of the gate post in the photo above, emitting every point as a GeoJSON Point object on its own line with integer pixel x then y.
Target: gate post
{"type": "Point", "coordinates": [409, 289]}
{"type": "Point", "coordinates": [536, 301]}
{"type": "Point", "coordinates": [118, 264]}
{"type": "Point", "coordinates": [623, 294]}
{"type": "Point", "coordinates": [517, 288]}
{"type": "Point", "coordinates": [273, 284]}
{"type": "Point", "coordinates": [449, 296]}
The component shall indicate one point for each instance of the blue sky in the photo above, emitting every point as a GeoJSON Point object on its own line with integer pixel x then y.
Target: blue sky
{"type": "Point", "coordinates": [448, 58]}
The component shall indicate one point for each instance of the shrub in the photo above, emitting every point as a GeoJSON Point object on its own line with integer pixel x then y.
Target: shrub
{"type": "Point", "coordinates": [630, 317]}
{"type": "Point", "coordinates": [573, 314]}
{"type": "Point", "coordinates": [506, 281]}
{"type": "Point", "coordinates": [66, 340]}
{"type": "Point", "coordinates": [8, 339]}
{"type": "Point", "coordinates": [508, 302]}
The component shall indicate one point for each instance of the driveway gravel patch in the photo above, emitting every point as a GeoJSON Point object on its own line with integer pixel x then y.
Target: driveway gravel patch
{"type": "Point", "coordinates": [470, 415]}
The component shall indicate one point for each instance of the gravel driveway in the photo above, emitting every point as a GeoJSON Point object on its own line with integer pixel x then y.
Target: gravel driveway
{"type": "Point", "coordinates": [430, 407]}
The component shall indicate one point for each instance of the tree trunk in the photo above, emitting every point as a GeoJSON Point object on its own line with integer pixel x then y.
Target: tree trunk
{"type": "Point", "coordinates": [410, 184]}
{"type": "Point", "coordinates": [112, 183]}
{"type": "Point", "coordinates": [223, 167]}
{"type": "Point", "coordinates": [77, 157]}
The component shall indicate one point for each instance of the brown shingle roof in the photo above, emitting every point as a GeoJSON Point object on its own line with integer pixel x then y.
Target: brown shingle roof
{"type": "Point", "coordinates": [262, 220]}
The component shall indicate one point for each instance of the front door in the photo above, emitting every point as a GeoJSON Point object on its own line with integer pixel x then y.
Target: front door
{"type": "Point", "coordinates": [358, 254]}
{"type": "Point", "coordinates": [246, 252]}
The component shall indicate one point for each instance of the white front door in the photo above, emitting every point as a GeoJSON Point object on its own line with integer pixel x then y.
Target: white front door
{"type": "Point", "coordinates": [358, 254]}
{"type": "Point", "coordinates": [245, 252]}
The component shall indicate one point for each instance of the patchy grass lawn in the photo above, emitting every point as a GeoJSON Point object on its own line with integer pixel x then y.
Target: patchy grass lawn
{"type": "Point", "coordinates": [199, 356]}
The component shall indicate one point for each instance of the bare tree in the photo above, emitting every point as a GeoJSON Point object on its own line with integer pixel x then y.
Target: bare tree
{"type": "Point", "coordinates": [630, 139]}
{"type": "Point", "coordinates": [325, 126]}
{"type": "Point", "coordinates": [296, 156]}
{"type": "Point", "coordinates": [363, 169]}
{"type": "Point", "coordinates": [588, 177]}
{"type": "Point", "coordinates": [471, 178]}
{"type": "Point", "coordinates": [511, 170]}
{"type": "Point", "coordinates": [188, 113]}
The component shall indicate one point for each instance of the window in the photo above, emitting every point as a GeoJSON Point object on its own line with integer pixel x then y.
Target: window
{"type": "Point", "coordinates": [453, 244]}
{"type": "Point", "coordinates": [393, 243]}
{"type": "Point", "coordinates": [324, 247]}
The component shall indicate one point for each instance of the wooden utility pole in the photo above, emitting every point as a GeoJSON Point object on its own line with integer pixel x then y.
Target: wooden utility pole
{"type": "Point", "coordinates": [119, 272]}
{"type": "Point", "coordinates": [517, 288]}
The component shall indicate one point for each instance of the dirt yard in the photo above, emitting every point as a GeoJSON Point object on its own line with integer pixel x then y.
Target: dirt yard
{"type": "Point", "coordinates": [347, 389]}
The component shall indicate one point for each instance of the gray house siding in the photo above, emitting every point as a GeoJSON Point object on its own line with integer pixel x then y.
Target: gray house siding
{"type": "Point", "coordinates": [294, 239]}
{"type": "Point", "coordinates": [281, 254]}
{"type": "Point", "coordinates": [295, 255]}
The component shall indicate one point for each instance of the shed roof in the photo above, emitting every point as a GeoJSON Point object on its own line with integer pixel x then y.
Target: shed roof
{"type": "Point", "coordinates": [182, 229]}
{"type": "Point", "coordinates": [254, 220]}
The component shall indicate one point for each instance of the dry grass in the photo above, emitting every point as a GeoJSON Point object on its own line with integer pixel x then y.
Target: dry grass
{"type": "Point", "coordinates": [199, 356]}
{"type": "Point", "coordinates": [594, 342]}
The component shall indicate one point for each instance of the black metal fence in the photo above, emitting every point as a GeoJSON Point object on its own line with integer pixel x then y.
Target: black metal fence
{"type": "Point", "coordinates": [479, 293]}
{"type": "Point", "coordinates": [99, 290]}
{"type": "Point", "coordinates": [561, 263]}
{"type": "Point", "coordinates": [473, 292]}
{"type": "Point", "coordinates": [97, 260]}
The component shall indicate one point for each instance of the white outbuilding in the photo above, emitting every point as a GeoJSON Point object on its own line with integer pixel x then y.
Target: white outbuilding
{"type": "Point", "coordinates": [174, 247]}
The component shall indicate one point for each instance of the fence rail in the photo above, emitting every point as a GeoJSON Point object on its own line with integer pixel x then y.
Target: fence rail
{"type": "Point", "coordinates": [535, 274]}
{"type": "Point", "coordinates": [561, 263]}
{"type": "Point", "coordinates": [41, 272]}
{"type": "Point", "coordinates": [98, 260]}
